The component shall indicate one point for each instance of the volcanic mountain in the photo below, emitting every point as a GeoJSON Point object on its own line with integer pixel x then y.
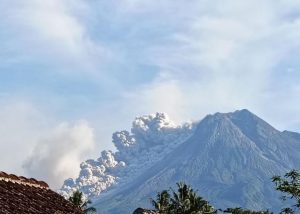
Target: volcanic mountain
{"type": "Point", "coordinates": [229, 158]}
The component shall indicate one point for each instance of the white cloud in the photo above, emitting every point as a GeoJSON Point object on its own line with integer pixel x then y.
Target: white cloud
{"type": "Point", "coordinates": [58, 155]}
{"type": "Point", "coordinates": [161, 97]}
{"type": "Point", "coordinates": [30, 146]}
{"type": "Point", "coordinates": [54, 33]}
{"type": "Point", "coordinates": [21, 124]}
{"type": "Point", "coordinates": [223, 58]}
{"type": "Point", "coordinates": [51, 21]}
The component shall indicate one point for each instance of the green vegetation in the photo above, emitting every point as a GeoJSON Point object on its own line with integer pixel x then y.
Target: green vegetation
{"type": "Point", "coordinates": [77, 200]}
{"type": "Point", "coordinates": [289, 185]}
{"type": "Point", "coordinates": [183, 201]}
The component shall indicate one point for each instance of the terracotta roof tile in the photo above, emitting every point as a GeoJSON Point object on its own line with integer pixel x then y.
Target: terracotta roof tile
{"type": "Point", "coordinates": [28, 196]}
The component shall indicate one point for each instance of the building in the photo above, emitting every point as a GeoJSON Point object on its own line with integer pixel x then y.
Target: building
{"type": "Point", "coordinates": [20, 195]}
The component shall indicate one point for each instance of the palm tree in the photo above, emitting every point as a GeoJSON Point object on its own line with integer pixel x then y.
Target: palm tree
{"type": "Point", "coordinates": [183, 201]}
{"type": "Point", "coordinates": [186, 201]}
{"type": "Point", "coordinates": [162, 202]}
{"type": "Point", "coordinates": [77, 200]}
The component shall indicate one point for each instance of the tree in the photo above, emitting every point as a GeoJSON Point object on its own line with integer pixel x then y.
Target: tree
{"type": "Point", "coordinates": [162, 202]}
{"type": "Point", "coordinates": [289, 185]}
{"type": "Point", "coordinates": [77, 200]}
{"type": "Point", "coordinates": [183, 201]}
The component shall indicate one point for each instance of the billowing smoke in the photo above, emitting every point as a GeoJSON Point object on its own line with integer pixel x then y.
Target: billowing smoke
{"type": "Point", "coordinates": [58, 156]}
{"type": "Point", "coordinates": [150, 138]}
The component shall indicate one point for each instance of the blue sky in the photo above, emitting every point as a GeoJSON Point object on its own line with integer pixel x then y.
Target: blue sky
{"type": "Point", "coordinates": [90, 67]}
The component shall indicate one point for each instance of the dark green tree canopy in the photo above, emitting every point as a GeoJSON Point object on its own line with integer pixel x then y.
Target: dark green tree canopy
{"type": "Point", "coordinates": [78, 200]}
{"type": "Point", "coordinates": [183, 201]}
{"type": "Point", "coordinates": [289, 185]}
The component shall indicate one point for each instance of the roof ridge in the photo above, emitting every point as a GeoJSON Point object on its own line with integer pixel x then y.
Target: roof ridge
{"type": "Point", "coordinates": [23, 180]}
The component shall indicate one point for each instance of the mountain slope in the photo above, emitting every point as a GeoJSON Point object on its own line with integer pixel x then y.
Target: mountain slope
{"type": "Point", "coordinates": [230, 158]}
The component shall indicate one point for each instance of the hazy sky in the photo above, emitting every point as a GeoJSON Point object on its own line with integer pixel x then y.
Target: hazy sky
{"type": "Point", "coordinates": [74, 71]}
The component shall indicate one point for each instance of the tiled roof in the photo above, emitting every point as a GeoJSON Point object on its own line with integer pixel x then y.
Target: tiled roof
{"type": "Point", "coordinates": [20, 195]}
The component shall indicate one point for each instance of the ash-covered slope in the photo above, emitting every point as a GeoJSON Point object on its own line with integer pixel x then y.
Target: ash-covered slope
{"type": "Point", "coordinates": [230, 158]}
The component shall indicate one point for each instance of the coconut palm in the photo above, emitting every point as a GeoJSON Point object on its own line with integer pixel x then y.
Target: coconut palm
{"type": "Point", "coordinates": [183, 201]}
{"type": "Point", "coordinates": [162, 202]}
{"type": "Point", "coordinates": [78, 200]}
{"type": "Point", "coordinates": [186, 201]}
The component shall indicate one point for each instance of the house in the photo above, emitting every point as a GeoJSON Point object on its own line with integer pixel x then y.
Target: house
{"type": "Point", "coordinates": [20, 195]}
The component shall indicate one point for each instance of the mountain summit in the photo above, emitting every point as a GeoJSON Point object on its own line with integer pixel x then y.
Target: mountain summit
{"type": "Point", "coordinates": [230, 158]}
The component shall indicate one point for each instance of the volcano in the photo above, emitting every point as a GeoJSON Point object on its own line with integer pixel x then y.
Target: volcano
{"type": "Point", "coordinates": [229, 158]}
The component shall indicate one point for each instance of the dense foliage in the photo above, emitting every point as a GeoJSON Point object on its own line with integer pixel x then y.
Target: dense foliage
{"type": "Point", "coordinates": [78, 200]}
{"type": "Point", "coordinates": [289, 185]}
{"type": "Point", "coordinates": [183, 201]}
